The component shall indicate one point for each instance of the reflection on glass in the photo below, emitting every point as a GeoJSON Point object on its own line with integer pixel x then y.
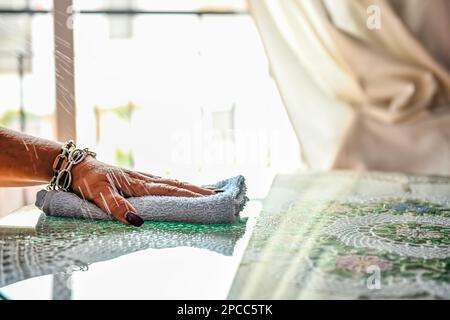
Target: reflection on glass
{"type": "Point", "coordinates": [65, 245]}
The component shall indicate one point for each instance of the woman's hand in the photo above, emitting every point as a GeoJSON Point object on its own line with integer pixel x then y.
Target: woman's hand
{"type": "Point", "coordinates": [26, 160]}
{"type": "Point", "coordinates": [107, 186]}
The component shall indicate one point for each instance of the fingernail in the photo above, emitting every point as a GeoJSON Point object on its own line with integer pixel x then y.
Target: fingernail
{"type": "Point", "coordinates": [219, 191]}
{"type": "Point", "coordinates": [135, 220]}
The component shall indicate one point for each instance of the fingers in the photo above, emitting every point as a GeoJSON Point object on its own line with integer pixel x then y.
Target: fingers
{"type": "Point", "coordinates": [175, 183]}
{"type": "Point", "coordinates": [144, 176]}
{"type": "Point", "coordinates": [147, 175]}
{"type": "Point", "coordinates": [117, 206]}
{"type": "Point", "coordinates": [140, 188]}
{"type": "Point", "coordinates": [136, 184]}
{"type": "Point", "coordinates": [188, 186]}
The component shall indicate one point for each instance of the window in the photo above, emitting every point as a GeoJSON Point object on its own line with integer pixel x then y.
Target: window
{"type": "Point", "coordinates": [177, 88]}
{"type": "Point", "coordinates": [26, 80]}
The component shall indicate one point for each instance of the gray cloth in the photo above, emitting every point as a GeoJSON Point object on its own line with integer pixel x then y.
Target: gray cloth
{"type": "Point", "coordinates": [221, 208]}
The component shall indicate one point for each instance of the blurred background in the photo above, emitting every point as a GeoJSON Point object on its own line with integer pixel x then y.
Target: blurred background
{"type": "Point", "coordinates": [200, 90]}
{"type": "Point", "coordinates": [178, 88]}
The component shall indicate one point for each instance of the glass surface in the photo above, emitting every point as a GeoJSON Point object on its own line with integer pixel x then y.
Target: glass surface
{"type": "Point", "coordinates": [82, 259]}
{"type": "Point", "coordinates": [348, 235]}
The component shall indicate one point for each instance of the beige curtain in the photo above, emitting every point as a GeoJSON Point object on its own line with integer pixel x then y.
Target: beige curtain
{"type": "Point", "coordinates": [361, 97]}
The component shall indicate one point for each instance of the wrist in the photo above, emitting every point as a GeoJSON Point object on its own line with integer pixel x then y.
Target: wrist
{"type": "Point", "coordinates": [65, 163]}
{"type": "Point", "coordinates": [47, 155]}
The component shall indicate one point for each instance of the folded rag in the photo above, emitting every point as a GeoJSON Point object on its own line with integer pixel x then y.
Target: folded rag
{"type": "Point", "coordinates": [221, 208]}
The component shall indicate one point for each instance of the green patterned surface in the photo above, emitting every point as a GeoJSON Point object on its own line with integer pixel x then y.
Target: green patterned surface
{"type": "Point", "coordinates": [353, 236]}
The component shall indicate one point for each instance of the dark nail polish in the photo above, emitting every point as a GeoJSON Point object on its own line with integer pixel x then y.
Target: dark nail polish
{"type": "Point", "coordinates": [135, 220]}
{"type": "Point", "coordinates": [219, 191]}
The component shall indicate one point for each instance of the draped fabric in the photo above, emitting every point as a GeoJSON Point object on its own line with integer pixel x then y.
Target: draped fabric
{"type": "Point", "coordinates": [363, 97]}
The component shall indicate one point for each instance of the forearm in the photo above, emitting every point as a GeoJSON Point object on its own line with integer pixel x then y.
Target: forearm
{"type": "Point", "coordinates": [24, 159]}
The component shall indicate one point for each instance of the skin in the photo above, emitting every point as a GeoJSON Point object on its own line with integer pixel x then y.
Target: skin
{"type": "Point", "coordinates": [26, 161]}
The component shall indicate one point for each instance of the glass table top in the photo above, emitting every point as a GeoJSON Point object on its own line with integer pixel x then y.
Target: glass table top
{"type": "Point", "coordinates": [349, 235]}
{"type": "Point", "coordinates": [338, 235]}
{"type": "Point", "coordinates": [85, 259]}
